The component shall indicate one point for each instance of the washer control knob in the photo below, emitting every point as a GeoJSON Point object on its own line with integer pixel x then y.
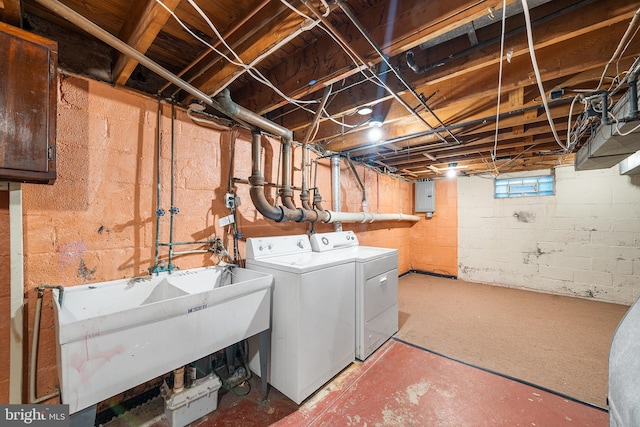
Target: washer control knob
{"type": "Point", "coordinates": [300, 244]}
{"type": "Point", "coordinates": [325, 241]}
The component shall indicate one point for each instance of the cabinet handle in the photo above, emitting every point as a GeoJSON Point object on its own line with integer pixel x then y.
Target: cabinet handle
{"type": "Point", "coordinates": [383, 280]}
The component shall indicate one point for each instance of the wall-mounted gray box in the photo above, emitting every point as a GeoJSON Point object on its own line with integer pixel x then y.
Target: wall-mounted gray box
{"type": "Point", "coordinates": [425, 196]}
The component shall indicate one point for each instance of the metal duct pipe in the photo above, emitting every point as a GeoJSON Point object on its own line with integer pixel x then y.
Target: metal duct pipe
{"type": "Point", "coordinates": [223, 102]}
{"type": "Point", "coordinates": [336, 202]}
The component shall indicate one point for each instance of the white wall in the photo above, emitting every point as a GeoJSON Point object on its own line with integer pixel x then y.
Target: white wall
{"type": "Point", "coordinates": [583, 241]}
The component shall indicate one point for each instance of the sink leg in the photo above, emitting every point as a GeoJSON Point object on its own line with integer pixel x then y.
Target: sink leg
{"type": "Point", "coordinates": [264, 341]}
{"type": "Point", "coordinates": [83, 418]}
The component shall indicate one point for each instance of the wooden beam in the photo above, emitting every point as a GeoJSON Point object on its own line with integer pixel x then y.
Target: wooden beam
{"type": "Point", "coordinates": [486, 64]}
{"type": "Point", "coordinates": [252, 50]}
{"type": "Point", "coordinates": [325, 61]}
{"type": "Point", "coordinates": [144, 22]}
{"type": "Point", "coordinates": [593, 50]}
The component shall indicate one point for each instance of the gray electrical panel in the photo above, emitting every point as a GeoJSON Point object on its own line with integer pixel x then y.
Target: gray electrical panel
{"type": "Point", "coordinates": [425, 196]}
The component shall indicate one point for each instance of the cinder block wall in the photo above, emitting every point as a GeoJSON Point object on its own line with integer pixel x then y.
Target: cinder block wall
{"type": "Point", "coordinates": [97, 222]}
{"type": "Point", "coordinates": [583, 241]}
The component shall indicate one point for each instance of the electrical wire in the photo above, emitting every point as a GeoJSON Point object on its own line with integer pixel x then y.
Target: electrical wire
{"type": "Point", "coordinates": [198, 120]}
{"type": "Point", "coordinates": [534, 61]}
{"type": "Point", "coordinates": [619, 48]}
{"type": "Point", "coordinates": [250, 70]}
{"type": "Point", "coordinates": [502, 37]}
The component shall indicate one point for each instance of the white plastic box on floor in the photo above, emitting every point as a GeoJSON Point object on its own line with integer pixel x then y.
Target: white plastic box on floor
{"type": "Point", "coordinates": [192, 403]}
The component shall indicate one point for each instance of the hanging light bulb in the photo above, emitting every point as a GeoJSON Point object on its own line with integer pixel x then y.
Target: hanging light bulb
{"type": "Point", "coordinates": [375, 134]}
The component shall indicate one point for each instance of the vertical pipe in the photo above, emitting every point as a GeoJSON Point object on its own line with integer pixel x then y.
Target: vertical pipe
{"type": "Point", "coordinates": [286, 192]}
{"type": "Point", "coordinates": [335, 189]}
{"type": "Point", "coordinates": [256, 154]}
{"type": "Point", "coordinates": [16, 253]}
{"type": "Point", "coordinates": [173, 209]}
{"type": "Point", "coordinates": [158, 209]}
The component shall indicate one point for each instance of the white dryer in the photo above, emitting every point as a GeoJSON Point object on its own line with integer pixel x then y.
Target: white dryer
{"type": "Point", "coordinates": [313, 313]}
{"type": "Point", "coordinates": [376, 287]}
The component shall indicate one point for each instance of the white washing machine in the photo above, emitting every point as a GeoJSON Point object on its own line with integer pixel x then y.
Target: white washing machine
{"type": "Point", "coordinates": [313, 313]}
{"type": "Point", "coordinates": [376, 287]}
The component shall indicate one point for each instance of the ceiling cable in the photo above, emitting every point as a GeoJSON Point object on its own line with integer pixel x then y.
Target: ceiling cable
{"type": "Point", "coordinates": [502, 36]}
{"type": "Point", "coordinates": [399, 76]}
{"type": "Point", "coordinates": [619, 50]}
{"type": "Point", "coordinates": [249, 69]}
{"type": "Point", "coordinates": [344, 45]}
{"type": "Point", "coordinates": [534, 62]}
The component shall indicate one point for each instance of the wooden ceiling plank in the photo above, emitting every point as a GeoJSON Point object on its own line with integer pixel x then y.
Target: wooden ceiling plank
{"type": "Point", "coordinates": [252, 51]}
{"type": "Point", "coordinates": [486, 62]}
{"type": "Point", "coordinates": [600, 15]}
{"type": "Point", "coordinates": [207, 59]}
{"type": "Point", "coordinates": [141, 28]}
{"type": "Point", "coordinates": [298, 70]}
{"type": "Point", "coordinates": [594, 51]}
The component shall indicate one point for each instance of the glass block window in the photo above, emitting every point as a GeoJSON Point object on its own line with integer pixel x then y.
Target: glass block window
{"type": "Point", "coordinates": [523, 187]}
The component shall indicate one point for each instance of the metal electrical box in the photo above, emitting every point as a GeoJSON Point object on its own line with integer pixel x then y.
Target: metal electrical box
{"type": "Point", "coordinates": [425, 196]}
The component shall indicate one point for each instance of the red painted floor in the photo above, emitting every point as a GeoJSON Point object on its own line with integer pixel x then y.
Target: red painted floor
{"type": "Point", "coordinates": [401, 385]}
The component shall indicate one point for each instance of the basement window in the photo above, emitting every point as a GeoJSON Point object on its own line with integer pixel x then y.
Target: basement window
{"type": "Point", "coordinates": [524, 187]}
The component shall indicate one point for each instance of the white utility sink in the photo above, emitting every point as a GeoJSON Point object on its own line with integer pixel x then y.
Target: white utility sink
{"type": "Point", "coordinates": [115, 335]}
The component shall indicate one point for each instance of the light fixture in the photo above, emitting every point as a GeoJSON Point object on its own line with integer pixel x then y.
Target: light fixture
{"type": "Point", "coordinates": [375, 133]}
{"type": "Point", "coordinates": [363, 111]}
{"type": "Point", "coordinates": [452, 167]}
{"type": "Point", "coordinates": [376, 122]}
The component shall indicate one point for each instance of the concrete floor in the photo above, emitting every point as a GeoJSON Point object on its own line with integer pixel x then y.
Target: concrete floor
{"type": "Point", "coordinates": [403, 384]}
{"type": "Point", "coordinates": [400, 385]}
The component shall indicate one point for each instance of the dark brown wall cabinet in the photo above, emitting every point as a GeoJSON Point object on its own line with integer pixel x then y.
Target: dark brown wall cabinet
{"type": "Point", "coordinates": [28, 65]}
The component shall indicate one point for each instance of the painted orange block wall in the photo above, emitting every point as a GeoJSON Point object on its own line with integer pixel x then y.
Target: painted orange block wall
{"type": "Point", "coordinates": [97, 222]}
{"type": "Point", "coordinates": [434, 241]}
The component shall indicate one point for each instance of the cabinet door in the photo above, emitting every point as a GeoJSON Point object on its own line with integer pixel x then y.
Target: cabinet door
{"type": "Point", "coordinates": [27, 106]}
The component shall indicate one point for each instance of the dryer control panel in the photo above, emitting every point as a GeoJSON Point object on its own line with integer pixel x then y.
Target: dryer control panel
{"type": "Point", "coordinates": [263, 247]}
{"type": "Point", "coordinates": [321, 242]}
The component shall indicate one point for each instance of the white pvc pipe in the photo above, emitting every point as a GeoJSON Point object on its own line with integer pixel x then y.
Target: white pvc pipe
{"type": "Point", "coordinates": [369, 217]}
{"type": "Point", "coordinates": [335, 189]}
